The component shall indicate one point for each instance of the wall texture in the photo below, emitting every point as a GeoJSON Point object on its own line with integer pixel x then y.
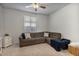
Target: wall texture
{"type": "Point", "coordinates": [66, 21]}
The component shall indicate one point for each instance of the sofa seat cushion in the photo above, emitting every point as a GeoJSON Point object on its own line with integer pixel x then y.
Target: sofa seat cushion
{"type": "Point", "coordinates": [36, 38]}
{"type": "Point", "coordinates": [33, 41]}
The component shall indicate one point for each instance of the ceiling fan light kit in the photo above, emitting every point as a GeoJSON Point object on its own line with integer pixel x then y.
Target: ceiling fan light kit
{"type": "Point", "coordinates": [35, 5]}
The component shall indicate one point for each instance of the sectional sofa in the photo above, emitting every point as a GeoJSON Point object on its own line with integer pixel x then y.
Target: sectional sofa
{"type": "Point", "coordinates": [37, 38]}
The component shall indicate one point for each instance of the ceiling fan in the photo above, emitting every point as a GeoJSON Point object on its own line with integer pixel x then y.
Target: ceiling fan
{"type": "Point", "coordinates": [36, 6]}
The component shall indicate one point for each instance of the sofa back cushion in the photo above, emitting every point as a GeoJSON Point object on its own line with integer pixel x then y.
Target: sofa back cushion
{"type": "Point", "coordinates": [55, 35]}
{"type": "Point", "coordinates": [37, 34]}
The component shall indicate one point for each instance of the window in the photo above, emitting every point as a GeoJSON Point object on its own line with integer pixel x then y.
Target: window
{"type": "Point", "coordinates": [29, 24]}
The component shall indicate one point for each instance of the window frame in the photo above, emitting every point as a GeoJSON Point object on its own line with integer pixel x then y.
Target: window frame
{"type": "Point", "coordinates": [31, 22]}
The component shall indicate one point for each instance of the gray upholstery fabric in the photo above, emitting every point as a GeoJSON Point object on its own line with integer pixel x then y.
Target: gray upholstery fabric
{"type": "Point", "coordinates": [37, 34]}
{"type": "Point", "coordinates": [55, 35]}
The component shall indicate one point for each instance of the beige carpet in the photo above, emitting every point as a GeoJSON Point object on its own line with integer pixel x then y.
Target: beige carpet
{"type": "Point", "coordinates": [34, 50]}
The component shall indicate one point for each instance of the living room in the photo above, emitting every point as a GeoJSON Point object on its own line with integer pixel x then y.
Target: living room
{"type": "Point", "coordinates": [54, 17]}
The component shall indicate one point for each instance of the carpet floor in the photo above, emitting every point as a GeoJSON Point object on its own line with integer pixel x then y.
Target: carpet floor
{"type": "Point", "coordinates": [34, 50]}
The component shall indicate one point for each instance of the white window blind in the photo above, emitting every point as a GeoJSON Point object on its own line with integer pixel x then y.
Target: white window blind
{"type": "Point", "coordinates": [29, 24]}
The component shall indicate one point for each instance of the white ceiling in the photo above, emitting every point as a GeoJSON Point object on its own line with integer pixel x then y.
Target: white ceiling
{"type": "Point", "coordinates": [51, 7]}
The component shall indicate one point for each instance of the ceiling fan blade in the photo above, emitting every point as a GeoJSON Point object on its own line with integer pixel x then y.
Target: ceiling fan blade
{"type": "Point", "coordinates": [29, 6]}
{"type": "Point", "coordinates": [44, 7]}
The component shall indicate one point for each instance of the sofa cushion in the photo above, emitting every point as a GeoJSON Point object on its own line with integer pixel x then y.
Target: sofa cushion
{"type": "Point", "coordinates": [32, 41]}
{"type": "Point", "coordinates": [36, 38]}
{"type": "Point", "coordinates": [54, 35]}
{"type": "Point", "coordinates": [37, 35]}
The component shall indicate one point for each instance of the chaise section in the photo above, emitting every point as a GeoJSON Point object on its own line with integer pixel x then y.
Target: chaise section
{"type": "Point", "coordinates": [53, 35]}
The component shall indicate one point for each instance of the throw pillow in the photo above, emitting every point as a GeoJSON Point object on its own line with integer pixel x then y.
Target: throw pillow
{"type": "Point", "coordinates": [23, 35]}
{"type": "Point", "coordinates": [46, 34]}
{"type": "Point", "coordinates": [28, 35]}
